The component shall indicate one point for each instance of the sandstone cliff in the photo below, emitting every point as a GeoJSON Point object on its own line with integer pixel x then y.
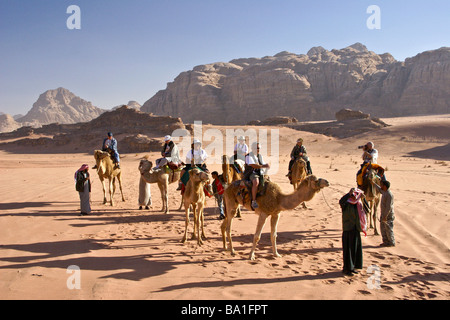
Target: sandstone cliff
{"type": "Point", "coordinates": [308, 87]}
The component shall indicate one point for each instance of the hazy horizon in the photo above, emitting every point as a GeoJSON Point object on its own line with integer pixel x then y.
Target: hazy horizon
{"type": "Point", "coordinates": [130, 50]}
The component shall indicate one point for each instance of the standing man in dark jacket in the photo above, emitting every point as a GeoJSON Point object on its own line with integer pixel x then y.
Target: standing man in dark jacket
{"type": "Point", "coordinates": [351, 229]}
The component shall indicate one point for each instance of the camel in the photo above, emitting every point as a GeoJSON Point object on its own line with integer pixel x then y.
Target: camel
{"type": "Point", "coordinates": [298, 174]}
{"type": "Point", "coordinates": [107, 170]}
{"type": "Point", "coordinates": [270, 204]}
{"type": "Point", "coordinates": [230, 174]}
{"type": "Point", "coordinates": [162, 178]}
{"type": "Point", "coordinates": [194, 196]}
{"type": "Point", "coordinates": [373, 197]}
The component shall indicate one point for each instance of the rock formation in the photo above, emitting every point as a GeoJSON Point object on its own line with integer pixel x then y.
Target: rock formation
{"type": "Point", "coordinates": [135, 131]}
{"type": "Point", "coordinates": [7, 123]}
{"type": "Point", "coordinates": [348, 123]}
{"type": "Point", "coordinates": [308, 87]}
{"type": "Point", "coordinates": [60, 106]}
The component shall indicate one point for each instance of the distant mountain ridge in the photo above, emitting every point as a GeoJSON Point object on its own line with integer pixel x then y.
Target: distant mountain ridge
{"type": "Point", "coordinates": [60, 106]}
{"type": "Point", "coordinates": [308, 87]}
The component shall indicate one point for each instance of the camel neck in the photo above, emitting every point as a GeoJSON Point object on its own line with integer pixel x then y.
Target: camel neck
{"type": "Point", "coordinates": [303, 193]}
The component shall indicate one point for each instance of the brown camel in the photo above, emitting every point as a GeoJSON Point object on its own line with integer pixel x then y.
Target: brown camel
{"type": "Point", "coordinates": [373, 197]}
{"type": "Point", "coordinates": [230, 174]}
{"type": "Point", "coordinates": [106, 169]}
{"type": "Point", "coordinates": [162, 178]}
{"type": "Point", "coordinates": [194, 195]}
{"type": "Point", "coordinates": [298, 174]}
{"type": "Point", "coordinates": [270, 204]}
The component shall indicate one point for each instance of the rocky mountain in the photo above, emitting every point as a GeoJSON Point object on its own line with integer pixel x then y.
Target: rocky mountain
{"type": "Point", "coordinates": [135, 131]}
{"type": "Point", "coordinates": [60, 106]}
{"type": "Point", "coordinates": [308, 87]}
{"type": "Point", "coordinates": [132, 104]}
{"type": "Point", "coordinates": [7, 123]}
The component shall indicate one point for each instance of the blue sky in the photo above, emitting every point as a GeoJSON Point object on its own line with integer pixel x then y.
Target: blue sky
{"type": "Point", "coordinates": [128, 50]}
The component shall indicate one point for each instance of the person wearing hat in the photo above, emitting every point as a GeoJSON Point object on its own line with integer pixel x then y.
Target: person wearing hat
{"type": "Point", "coordinates": [110, 145]}
{"type": "Point", "coordinates": [370, 154]}
{"type": "Point", "coordinates": [169, 153]}
{"type": "Point", "coordinates": [254, 167]}
{"type": "Point", "coordinates": [299, 151]}
{"type": "Point", "coordinates": [240, 151]}
{"type": "Point", "coordinates": [196, 157]}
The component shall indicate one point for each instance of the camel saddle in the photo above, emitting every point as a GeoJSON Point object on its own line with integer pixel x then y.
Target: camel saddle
{"type": "Point", "coordinates": [245, 188]}
{"type": "Point", "coordinates": [173, 167]}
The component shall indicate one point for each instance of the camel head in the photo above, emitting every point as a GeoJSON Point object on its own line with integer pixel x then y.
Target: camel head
{"type": "Point", "coordinates": [99, 156]}
{"type": "Point", "coordinates": [301, 163]}
{"type": "Point", "coordinates": [145, 166]}
{"type": "Point", "coordinates": [198, 176]}
{"type": "Point", "coordinates": [315, 183]}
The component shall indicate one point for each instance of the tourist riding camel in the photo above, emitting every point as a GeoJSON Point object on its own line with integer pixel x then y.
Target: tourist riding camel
{"type": "Point", "coordinates": [107, 170]}
{"type": "Point", "coordinates": [110, 145]}
{"type": "Point", "coordinates": [195, 158]}
{"type": "Point", "coordinates": [170, 154]}
{"type": "Point", "coordinates": [254, 163]}
{"type": "Point", "coordinates": [299, 152]}
{"type": "Point", "coordinates": [194, 196]}
{"type": "Point", "coordinates": [240, 151]}
{"type": "Point", "coordinates": [162, 178]}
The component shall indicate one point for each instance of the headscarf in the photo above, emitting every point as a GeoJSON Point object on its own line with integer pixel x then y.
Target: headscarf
{"type": "Point", "coordinates": [82, 168]}
{"type": "Point", "coordinates": [356, 199]}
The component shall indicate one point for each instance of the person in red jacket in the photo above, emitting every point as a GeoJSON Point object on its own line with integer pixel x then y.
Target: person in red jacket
{"type": "Point", "coordinates": [218, 188]}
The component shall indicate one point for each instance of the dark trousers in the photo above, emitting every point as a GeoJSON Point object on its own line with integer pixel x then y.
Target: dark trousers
{"type": "Point", "coordinates": [352, 250]}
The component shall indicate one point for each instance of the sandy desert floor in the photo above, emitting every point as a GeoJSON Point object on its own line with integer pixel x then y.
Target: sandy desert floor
{"type": "Point", "coordinates": [124, 253]}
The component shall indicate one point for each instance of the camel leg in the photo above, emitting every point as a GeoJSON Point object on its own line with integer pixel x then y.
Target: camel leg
{"type": "Point", "coordinates": [228, 221]}
{"type": "Point", "coordinates": [114, 186]}
{"type": "Point", "coordinates": [104, 191]}
{"type": "Point", "coordinates": [161, 189]}
{"type": "Point", "coordinates": [230, 212]}
{"type": "Point", "coordinates": [119, 178]}
{"type": "Point", "coordinates": [111, 193]}
{"type": "Point", "coordinates": [186, 210]}
{"type": "Point", "coordinates": [195, 211]}
{"type": "Point", "coordinates": [223, 228]}
{"type": "Point", "coordinates": [273, 234]}
{"type": "Point", "coordinates": [166, 198]}
{"type": "Point", "coordinates": [261, 221]}
{"type": "Point", "coordinates": [200, 225]}
{"type": "Point", "coordinates": [238, 211]}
